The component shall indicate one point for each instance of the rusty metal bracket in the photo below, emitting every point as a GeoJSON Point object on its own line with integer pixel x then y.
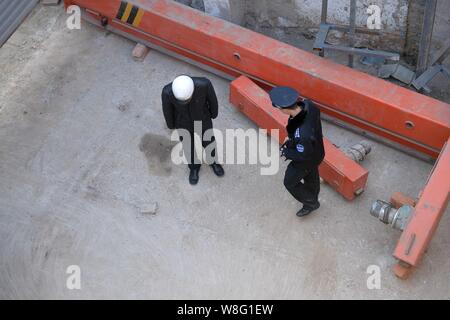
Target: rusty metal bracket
{"type": "Point", "coordinates": [418, 219]}
{"type": "Point", "coordinates": [321, 44]}
{"type": "Point", "coordinates": [428, 211]}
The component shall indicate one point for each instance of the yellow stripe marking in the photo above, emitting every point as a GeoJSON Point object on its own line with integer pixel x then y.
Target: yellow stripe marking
{"type": "Point", "coordinates": [127, 12]}
{"type": "Point", "coordinates": [138, 18]}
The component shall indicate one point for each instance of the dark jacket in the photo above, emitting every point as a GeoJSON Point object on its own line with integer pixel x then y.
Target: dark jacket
{"type": "Point", "coordinates": [305, 144]}
{"type": "Point", "coordinates": [202, 107]}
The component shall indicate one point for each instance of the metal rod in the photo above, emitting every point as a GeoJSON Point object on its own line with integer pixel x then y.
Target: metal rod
{"type": "Point", "coordinates": [352, 30]}
{"type": "Point", "coordinates": [442, 54]}
{"type": "Point", "coordinates": [323, 21]}
{"type": "Point", "coordinates": [364, 30]}
{"type": "Point", "coordinates": [364, 52]}
{"type": "Point", "coordinates": [426, 36]}
{"type": "Point", "coordinates": [324, 11]}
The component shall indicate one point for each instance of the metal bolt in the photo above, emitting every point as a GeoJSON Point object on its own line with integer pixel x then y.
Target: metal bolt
{"type": "Point", "coordinates": [409, 124]}
{"type": "Point", "coordinates": [104, 21]}
{"type": "Point", "coordinates": [386, 213]}
{"type": "Point", "coordinates": [359, 151]}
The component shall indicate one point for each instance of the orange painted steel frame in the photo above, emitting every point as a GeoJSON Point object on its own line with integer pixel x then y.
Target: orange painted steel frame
{"type": "Point", "coordinates": [428, 211]}
{"type": "Point", "coordinates": [386, 109]}
{"type": "Point", "coordinates": [343, 174]}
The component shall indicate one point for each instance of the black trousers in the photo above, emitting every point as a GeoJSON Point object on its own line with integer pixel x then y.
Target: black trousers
{"type": "Point", "coordinates": [306, 192]}
{"type": "Point", "coordinates": [189, 150]}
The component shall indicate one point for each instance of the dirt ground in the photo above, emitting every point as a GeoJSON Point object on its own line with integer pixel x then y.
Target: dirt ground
{"type": "Point", "coordinates": [84, 149]}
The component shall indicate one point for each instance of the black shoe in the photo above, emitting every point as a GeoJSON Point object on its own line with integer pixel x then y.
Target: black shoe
{"type": "Point", "coordinates": [193, 176]}
{"type": "Point", "coordinates": [307, 209]}
{"type": "Point", "coordinates": [218, 170]}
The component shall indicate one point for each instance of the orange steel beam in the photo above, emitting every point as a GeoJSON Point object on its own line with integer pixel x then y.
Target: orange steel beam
{"type": "Point", "coordinates": [345, 175]}
{"type": "Point", "coordinates": [372, 104]}
{"type": "Point", "coordinates": [428, 211]}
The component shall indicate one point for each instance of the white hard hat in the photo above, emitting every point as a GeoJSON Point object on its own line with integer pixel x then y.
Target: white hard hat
{"type": "Point", "coordinates": [183, 88]}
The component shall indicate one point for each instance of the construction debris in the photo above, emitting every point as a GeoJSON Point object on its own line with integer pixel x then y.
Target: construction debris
{"type": "Point", "coordinates": [150, 209]}
{"type": "Point", "coordinates": [372, 61]}
{"type": "Point", "coordinates": [50, 2]}
{"type": "Point", "coordinates": [140, 51]}
{"type": "Point", "coordinates": [437, 66]}
{"type": "Point", "coordinates": [398, 72]}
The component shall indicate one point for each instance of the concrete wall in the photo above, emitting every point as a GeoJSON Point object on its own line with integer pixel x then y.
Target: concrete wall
{"type": "Point", "coordinates": [231, 10]}
{"type": "Point", "coordinates": [306, 14]}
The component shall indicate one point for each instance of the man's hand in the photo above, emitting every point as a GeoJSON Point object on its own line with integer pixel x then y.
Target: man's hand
{"type": "Point", "coordinates": [283, 150]}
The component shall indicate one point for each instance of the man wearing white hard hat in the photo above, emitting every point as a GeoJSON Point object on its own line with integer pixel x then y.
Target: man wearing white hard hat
{"type": "Point", "coordinates": [187, 100]}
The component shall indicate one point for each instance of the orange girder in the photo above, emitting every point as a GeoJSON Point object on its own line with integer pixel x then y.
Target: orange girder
{"type": "Point", "coordinates": [386, 109]}
{"type": "Point", "coordinates": [427, 213]}
{"type": "Point", "coordinates": [343, 174]}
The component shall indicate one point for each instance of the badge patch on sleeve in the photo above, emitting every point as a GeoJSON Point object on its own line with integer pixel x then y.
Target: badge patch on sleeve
{"type": "Point", "coordinates": [300, 148]}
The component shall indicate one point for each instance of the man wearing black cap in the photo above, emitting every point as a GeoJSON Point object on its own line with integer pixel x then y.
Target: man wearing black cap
{"type": "Point", "coordinates": [304, 147]}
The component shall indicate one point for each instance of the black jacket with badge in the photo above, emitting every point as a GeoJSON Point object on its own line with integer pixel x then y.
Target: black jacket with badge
{"type": "Point", "coordinates": [203, 106]}
{"type": "Point", "coordinates": [305, 144]}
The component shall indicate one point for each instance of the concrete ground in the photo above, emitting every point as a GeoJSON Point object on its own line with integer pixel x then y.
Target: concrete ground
{"type": "Point", "coordinates": [84, 149]}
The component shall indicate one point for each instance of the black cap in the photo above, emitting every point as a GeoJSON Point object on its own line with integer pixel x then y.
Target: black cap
{"type": "Point", "coordinates": [283, 97]}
